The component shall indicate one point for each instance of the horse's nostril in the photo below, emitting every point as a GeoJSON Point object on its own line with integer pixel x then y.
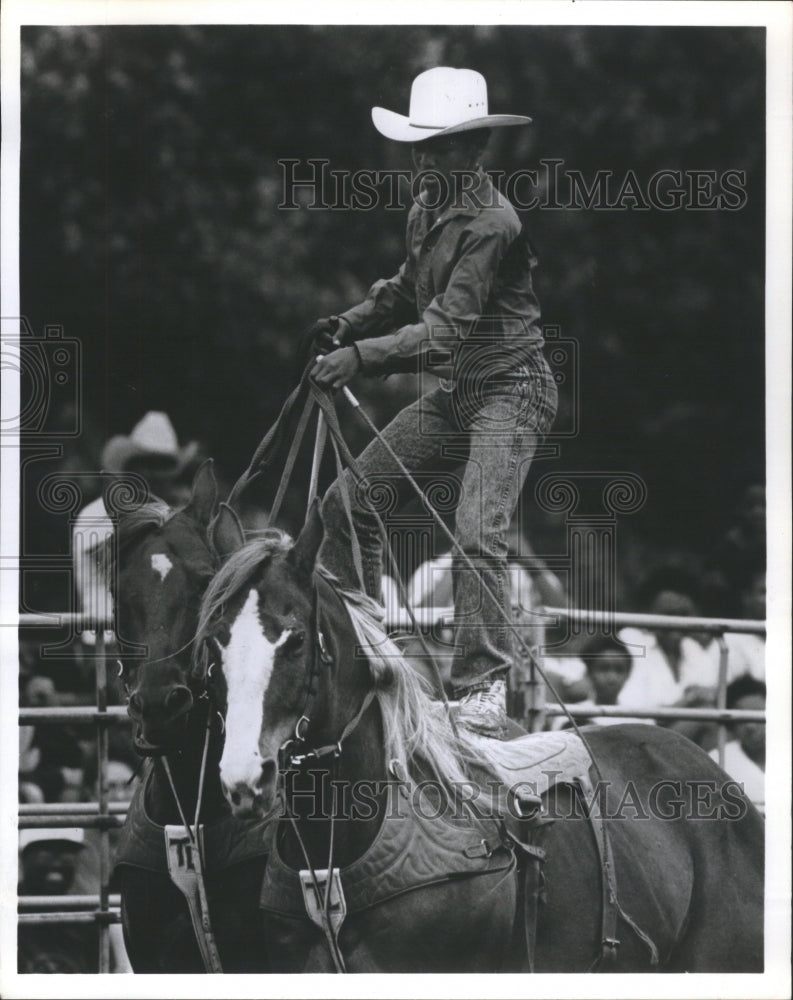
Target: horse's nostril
{"type": "Point", "coordinates": [179, 701]}
{"type": "Point", "coordinates": [269, 773]}
{"type": "Point", "coordinates": [135, 705]}
{"type": "Point", "coordinates": [236, 798]}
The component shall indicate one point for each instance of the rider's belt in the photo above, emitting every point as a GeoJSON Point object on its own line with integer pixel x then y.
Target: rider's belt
{"type": "Point", "coordinates": [475, 380]}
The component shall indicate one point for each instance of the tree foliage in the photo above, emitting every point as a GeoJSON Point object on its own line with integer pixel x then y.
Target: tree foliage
{"type": "Point", "coordinates": [151, 228]}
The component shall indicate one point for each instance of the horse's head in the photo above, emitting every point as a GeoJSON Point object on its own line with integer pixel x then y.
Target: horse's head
{"type": "Point", "coordinates": [165, 561]}
{"type": "Point", "coordinates": [302, 661]}
{"type": "Point", "coordinates": [259, 614]}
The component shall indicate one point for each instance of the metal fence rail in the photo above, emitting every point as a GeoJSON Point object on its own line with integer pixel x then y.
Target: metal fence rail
{"type": "Point", "coordinates": [398, 619]}
{"type": "Point", "coordinates": [103, 908]}
{"type": "Point", "coordinates": [83, 909]}
{"type": "Point", "coordinates": [101, 716]}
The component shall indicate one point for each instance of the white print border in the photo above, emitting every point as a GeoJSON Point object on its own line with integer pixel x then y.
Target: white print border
{"type": "Point", "coordinates": [777, 18]}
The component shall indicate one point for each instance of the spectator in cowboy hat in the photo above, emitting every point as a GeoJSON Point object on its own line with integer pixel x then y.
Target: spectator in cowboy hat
{"type": "Point", "coordinates": [461, 306]}
{"type": "Point", "coordinates": [152, 452]}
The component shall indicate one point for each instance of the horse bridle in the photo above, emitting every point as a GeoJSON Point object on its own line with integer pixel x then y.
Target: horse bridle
{"type": "Point", "coordinates": [293, 753]}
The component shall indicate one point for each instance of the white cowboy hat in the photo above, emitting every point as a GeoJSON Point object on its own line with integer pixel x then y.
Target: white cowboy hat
{"type": "Point", "coordinates": [442, 101]}
{"type": "Point", "coordinates": [153, 439]}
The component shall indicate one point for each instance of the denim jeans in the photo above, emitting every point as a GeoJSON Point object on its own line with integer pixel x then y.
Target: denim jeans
{"type": "Point", "coordinates": [488, 434]}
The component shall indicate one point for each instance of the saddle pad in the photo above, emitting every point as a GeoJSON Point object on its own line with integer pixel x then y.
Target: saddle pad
{"type": "Point", "coordinates": [536, 761]}
{"type": "Point", "coordinates": [409, 852]}
{"type": "Point", "coordinates": [227, 842]}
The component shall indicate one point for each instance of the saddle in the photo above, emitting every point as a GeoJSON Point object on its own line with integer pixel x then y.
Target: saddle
{"type": "Point", "coordinates": [410, 851]}
{"type": "Point", "coordinates": [532, 764]}
{"type": "Point", "coordinates": [529, 767]}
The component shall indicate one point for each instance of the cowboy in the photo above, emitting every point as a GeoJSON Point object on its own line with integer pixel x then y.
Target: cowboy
{"type": "Point", "coordinates": [461, 307]}
{"type": "Point", "coordinates": [152, 451]}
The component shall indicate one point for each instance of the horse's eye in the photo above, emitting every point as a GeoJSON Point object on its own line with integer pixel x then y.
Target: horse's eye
{"type": "Point", "coordinates": [294, 640]}
{"type": "Point", "coordinates": [222, 635]}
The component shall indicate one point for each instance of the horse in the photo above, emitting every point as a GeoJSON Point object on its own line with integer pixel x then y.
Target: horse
{"type": "Point", "coordinates": [326, 727]}
{"type": "Point", "coordinates": [163, 562]}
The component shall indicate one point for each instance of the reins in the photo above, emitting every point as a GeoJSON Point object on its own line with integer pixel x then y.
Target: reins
{"type": "Point", "coordinates": [327, 420]}
{"type": "Point", "coordinates": [186, 863]}
{"type": "Point", "coordinates": [202, 774]}
{"type": "Point", "coordinates": [264, 455]}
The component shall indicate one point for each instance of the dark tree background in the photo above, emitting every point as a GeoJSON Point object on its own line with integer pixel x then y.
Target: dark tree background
{"type": "Point", "coordinates": [150, 230]}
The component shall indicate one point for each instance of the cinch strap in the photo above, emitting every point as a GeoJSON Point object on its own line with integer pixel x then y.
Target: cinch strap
{"type": "Point", "coordinates": [610, 904]}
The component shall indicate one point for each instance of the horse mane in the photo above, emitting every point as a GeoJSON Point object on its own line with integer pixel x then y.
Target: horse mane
{"type": "Point", "coordinates": [231, 576]}
{"type": "Point", "coordinates": [418, 733]}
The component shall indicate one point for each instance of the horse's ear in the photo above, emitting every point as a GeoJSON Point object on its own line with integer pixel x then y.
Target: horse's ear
{"type": "Point", "coordinates": [303, 554]}
{"type": "Point", "coordinates": [204, 494]}
{"type": "Point", "coordinates": [225, 532]}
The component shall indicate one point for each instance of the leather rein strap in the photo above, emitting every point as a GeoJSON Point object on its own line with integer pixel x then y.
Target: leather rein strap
{"type": "Point", "coordinates": [184, 851]}
{"type": "Point", "coordinates": [269, 448]}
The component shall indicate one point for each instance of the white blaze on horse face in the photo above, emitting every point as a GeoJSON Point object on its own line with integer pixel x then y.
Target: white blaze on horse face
{"type": "Point", "coordinates": [247, 666]}
{"type": "Point", "coordinates": [161, 564]}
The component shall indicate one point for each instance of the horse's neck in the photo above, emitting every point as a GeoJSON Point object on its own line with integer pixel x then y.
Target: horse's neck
{"type": "Point", "coordinates": [360, 770]}
{"type": "Point", "coordinates": [185, 770]}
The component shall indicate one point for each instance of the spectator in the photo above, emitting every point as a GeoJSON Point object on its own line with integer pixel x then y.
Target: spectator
{"type": "Point", "coordinates": [670, 666]}
{"type": "Point", "coordinates": [747, 652]}
{"type": "Point", "coordinates": [51, 759]}
{"type": "Point", "coordinates": [532, 585]}
{"type": "Point", "coordinates": [151, 451]}
{"type": "Point", "coordinates": [608, 665]}
{"type": "Point", "coordinates": [119, 780]}
{"type": "Point", "coordinates": [744, 753]}
{"type": "Point", "coordinates": [48, 860]}
{"type": "Point", "coordinates": [745, 656]}
{"type": "Point", "coordinates": [29, 757]}
{"type": "Point", "coordinates": [47, 864]}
